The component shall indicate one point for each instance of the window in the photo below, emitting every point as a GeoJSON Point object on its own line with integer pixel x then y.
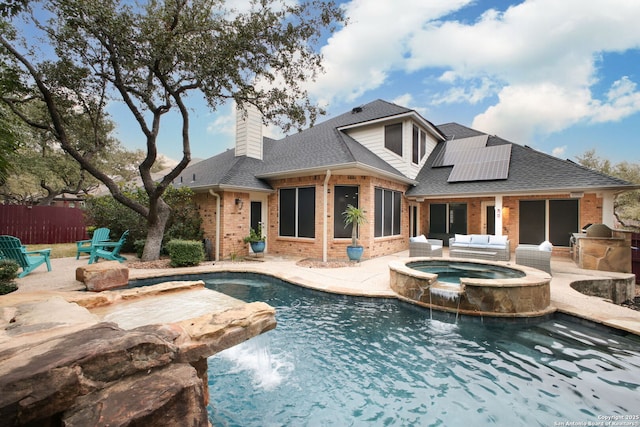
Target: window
{"type": "Point", "coordinates": [563, 221]}
{"type": "Point", "coordinates": [553, 220]}
{"type": "Point", "coordinates": [387, 212]}
{"type": "Point", "coordinates": [447, 219]}
{"type": "Point", "coordinates": [343, 196]}
{"type": "Point", "coordinates": [393, 138]}
{"type": "Point", "coordinates": [298, 212]}
{"type": "Point", "coordinates": [419, 144]}
{"type": "Point", "coordinates": [532, 221]}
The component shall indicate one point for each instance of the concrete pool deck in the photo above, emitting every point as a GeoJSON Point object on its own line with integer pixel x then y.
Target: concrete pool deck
{"type": "Point", "coordinates": [369, 278]}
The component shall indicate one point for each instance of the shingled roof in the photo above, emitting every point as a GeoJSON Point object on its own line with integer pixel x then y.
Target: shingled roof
{"type": "Point", "coordinates": [326, 146]}
{"type": "Point", "coordinates": [320, 147]}
{"type": "Point", "coordinates": [530, 171]}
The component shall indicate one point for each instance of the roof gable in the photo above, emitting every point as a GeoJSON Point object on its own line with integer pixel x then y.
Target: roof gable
{"type": "Point", "coordinates": [322, 146]}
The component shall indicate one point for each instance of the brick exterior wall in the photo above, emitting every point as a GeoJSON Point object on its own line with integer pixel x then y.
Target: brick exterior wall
{"type": "Point", "coordinates": [234, 225]}
{"type": "Point", "coordinates": [336, 247]}
{"type": "Point", "coordinates": [235, 220]}
{"type": "Point", "coordinates": [590, 211]}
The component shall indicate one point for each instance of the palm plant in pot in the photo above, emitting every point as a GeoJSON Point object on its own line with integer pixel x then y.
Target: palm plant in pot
{"type": "Point", "coordinates": [256, 239]}
{"type": "Point", "coordinates": [355, 217]}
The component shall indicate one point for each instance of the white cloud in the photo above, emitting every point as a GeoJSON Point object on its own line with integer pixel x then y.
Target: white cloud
{"type": "Point", "coordinates": [539, 59]}
{"type": "Point", "coordinates": [523, 111]}
{"type": "Point", "coordinates": [623, 99]}
{"type": "Point", "coordinates": [359, 57]}
{"type": "Point", "coordinates": [559, 151]}
{"type": "Point", "coordinates": [224, 123]}
{"type": "Point", "coordinates": [541, 56]}
{"type": "Point", "coordinates": [472, 93]}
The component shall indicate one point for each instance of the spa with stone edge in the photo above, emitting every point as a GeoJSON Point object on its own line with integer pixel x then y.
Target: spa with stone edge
{"type": "Point", "coordinates": [472, 287]}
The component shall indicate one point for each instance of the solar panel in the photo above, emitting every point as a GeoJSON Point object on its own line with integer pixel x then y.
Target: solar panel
{"type": "Point", "coordinates": [452, 149]}
{"type": "Point", "coordinates": [482, 164]}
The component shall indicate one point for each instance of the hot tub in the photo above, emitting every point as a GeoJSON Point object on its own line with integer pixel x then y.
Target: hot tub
{"type": "Point", "coordinates": [480, 288]}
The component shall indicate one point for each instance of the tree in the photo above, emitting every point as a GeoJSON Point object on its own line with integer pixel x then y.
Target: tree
{"type": "Point", "coordinates": [41, 170]}
{"type": "Point", "coordinates": [155, 58]}
{"type": "Point", "coordinates": [627, 204]}
{"type": "Point", "coordinates": [9, 142]}
{"type": "Point", "coordinates": [184, 222]}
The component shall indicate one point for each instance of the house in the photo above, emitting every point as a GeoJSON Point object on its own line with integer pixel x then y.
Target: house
{"type": "Point", "coordinates": [410, 177]}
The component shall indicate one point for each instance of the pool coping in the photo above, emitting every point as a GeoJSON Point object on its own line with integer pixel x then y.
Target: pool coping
{"type": "Point", "coordinates": [369, 278]}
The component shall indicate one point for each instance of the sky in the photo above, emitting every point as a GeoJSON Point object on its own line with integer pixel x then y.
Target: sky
{"type": "Point", "coordinates": [559, 76]}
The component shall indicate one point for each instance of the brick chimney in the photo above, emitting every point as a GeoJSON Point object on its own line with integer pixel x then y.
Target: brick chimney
{"type": "Point", "coordinates": [249, 132]}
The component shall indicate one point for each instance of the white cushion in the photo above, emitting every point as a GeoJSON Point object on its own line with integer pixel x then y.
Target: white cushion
{"type": "Point", "coordinates": [480, 239]}
{"type": "Point", "coordinates": [419, 238]}
{"type": "Point", "coordinates": [546, 246]}
{"type": "Point", "coordinates": [462, 238]}
{"type": "Point", "coordinates": [497, 240]}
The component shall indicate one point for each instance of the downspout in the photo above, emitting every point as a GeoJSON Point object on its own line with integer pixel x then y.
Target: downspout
{"type": "Point", "coordinates": [217, 196]}
{"type": "Point", "coordinates": [499, 214]}
{"type": "Point", "coordinates": [325, 225]}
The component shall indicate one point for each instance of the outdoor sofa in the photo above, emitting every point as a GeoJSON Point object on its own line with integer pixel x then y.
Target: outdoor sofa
{"type": "Point", "coordinates": [482, 246]}
{"type": "Point", "coordinates": [421, 246]}
{"type": "Point", "coordinates": [535, 256]}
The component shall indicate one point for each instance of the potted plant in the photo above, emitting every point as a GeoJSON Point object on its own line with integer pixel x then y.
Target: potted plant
{"type": "Point", "coordinates": [355, 217]}
{"type": "Point", "coordinates": [256, 239]}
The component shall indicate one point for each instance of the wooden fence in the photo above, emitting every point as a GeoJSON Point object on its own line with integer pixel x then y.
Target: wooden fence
{"type": "Point", "coordinates": [42, 224]}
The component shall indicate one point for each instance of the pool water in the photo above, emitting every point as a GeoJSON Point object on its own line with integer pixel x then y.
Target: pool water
{"type": "Point", "coordinates": [344, 361]}
{"type": "Point", "coordinates": [452, 271]}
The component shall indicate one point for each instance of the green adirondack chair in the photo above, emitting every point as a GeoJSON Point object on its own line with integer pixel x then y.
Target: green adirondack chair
{"type": "Point", "coordinates": [85, 246]}
{"type": "Point", "coordinates": [12, 248]}
{"type": "Point", "coordinates": [109, 250]}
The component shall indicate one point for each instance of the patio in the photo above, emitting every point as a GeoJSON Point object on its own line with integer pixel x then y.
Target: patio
{"type": "Point", "coordinates": [368, 278]}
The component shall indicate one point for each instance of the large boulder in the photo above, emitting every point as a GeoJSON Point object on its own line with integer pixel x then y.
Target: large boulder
{"type": "Point", "coordinates": [173, 396]}
{"type": "Point", "coordinates": [60, 377]}
{"type": "Point", "coordinates": [60, 363]}
{"type": "Point", "coordinates": [103, 276]}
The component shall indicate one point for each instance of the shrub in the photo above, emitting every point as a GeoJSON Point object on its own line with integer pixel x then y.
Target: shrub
{"type": "Point", "coordinates": [184, 253]}
{"type": "Point", "coordinates": [138, 245]}
{"type": "Point", "coordinates": [105, 211]}
{"type": "Point", "coordinates": [184, 222]}
{"type": "Point", "coordinates": [8, 273]}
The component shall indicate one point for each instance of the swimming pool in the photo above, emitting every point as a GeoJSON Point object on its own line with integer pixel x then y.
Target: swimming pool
{"type": "Point", "coordinates": [344, 361]}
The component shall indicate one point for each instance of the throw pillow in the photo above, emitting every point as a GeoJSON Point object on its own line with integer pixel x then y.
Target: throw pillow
{"type": "Point", "coordinates": [497, 240]}
{"type": "Point", "coordinates": [546, 246]}
{"type": "Point", "coordinates": [463, 238]}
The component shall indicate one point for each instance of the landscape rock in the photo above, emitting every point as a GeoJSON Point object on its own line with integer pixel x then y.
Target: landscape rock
{"type": "Point", "coordinates": [103, 276]}
{"type": "Point", "coordinates": [173, 396]}
{"type": "Point", "coordinates": [28, 322]}
{"type": "Point", "coordinates": [61, 362]}
{"type": "Point", "coordinates": [41, 380]}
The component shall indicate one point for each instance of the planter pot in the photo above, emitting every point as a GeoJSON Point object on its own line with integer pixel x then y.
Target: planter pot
{"type": "Point", "coordinates": [355, 252]}
{"type": "Point", "coordinates": [257, 247]}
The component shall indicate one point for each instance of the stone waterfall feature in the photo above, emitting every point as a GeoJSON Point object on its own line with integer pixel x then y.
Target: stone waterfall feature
{"type": "Point", "coordinates": [61, 363]}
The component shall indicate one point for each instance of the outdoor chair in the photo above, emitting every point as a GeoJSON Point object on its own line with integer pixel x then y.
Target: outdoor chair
{"type": "Point", "coordinates": [109, 250]}
{"type": "Point", "coordinates": [12, 248]}
{"type": "Point", "coordinates": [535, 256]}
{"type": "Point", "coordinates": [86, 246]}
{"type": "Point", "coordinates": [423, 247]}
